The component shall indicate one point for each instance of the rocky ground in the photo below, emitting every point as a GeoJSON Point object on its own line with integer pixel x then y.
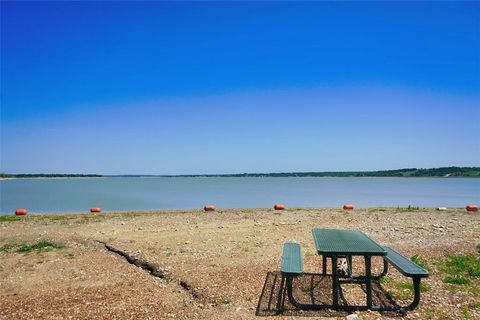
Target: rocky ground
{"type": "Point", "coordinates": [216, 265]}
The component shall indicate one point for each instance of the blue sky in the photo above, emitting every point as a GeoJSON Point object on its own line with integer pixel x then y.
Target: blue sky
{"type": "Point", "coordinates": [181, 88]}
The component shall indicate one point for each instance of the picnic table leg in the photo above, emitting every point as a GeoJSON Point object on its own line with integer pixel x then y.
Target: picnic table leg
{"type": "Point", "coordinates": [324, 264]}
{"type": "Point", "coordinates": [384, 272]}
{"type": "Point", "coordinates": [349, 259]}
{"type": "Point", "coordinates": [368, 271]}
{"type": "Point", "coordinates": [416, 300]}
{"type": "Point", "coordinates": [334, 281]}
{"type": "Point", "coordinates": [281, 292]}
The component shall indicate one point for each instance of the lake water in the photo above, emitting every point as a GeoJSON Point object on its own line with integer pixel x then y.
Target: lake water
{"type": "Point", "coordinates": [123, 194]}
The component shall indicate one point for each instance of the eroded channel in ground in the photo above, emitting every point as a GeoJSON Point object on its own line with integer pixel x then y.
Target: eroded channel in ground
{"type": "Point", "coordinates": [154, 270]}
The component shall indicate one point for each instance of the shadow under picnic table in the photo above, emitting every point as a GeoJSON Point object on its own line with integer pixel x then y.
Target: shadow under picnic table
{"type": "Point", "coordinates": [312, 288]}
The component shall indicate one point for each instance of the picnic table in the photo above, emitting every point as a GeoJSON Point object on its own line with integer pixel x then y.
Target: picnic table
{"type": "Point", "coordinates": [347, 243]}
{"type": "Point", "coordinates": [335, 244]}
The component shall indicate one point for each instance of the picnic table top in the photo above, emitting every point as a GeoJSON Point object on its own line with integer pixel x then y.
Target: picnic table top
{"type": "Point", "coordinates": [345, 242]}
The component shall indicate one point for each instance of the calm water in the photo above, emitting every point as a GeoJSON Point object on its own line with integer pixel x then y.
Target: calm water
{"type": "Point", "coordinates": [79, 195]}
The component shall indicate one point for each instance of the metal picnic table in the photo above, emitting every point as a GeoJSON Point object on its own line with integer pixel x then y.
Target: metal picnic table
{"type": "Point", "coordinates": [335, 244]}
{"type": "Point", "coordinates": [347, 243]}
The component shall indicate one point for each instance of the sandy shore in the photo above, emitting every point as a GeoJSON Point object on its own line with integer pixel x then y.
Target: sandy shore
{"type": "Point", "coordinates": [215, 265]}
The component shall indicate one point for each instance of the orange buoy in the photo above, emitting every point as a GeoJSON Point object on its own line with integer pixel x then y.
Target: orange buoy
{"type": "Point", "coordinates": [209, 207]}
{"type": "Point", "coordinates": [279, 207]}
{"type": "Point", "coordinates": [348, 206]}
{"type": "Point", "coordinates": [21, 212]}
{"type": "Point", "coordinates": [471, 207]}
{"type": "Point", "coordinates": [95, 210]}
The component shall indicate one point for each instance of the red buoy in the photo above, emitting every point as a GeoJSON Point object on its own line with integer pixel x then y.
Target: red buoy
{"type": "Point", "coordinates": [209, 207]}
{"type": "Point", "coordinates": [95, 210]}
{"type": "Point", "coordinates": [471, 207]}
{"type": "Point", "coordinates": [279, 207]}
{"type": "Point", "coordinates": [348, 206]}
{"type": "Point", "coordinates": [21, 212]}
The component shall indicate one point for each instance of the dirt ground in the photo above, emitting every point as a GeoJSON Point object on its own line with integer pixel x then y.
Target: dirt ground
{"type": "Point", "coordinates": [215, 265]}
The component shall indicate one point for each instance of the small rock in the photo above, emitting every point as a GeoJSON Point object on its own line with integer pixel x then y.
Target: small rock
{"type": "Point", "coordinates": [352, 316]}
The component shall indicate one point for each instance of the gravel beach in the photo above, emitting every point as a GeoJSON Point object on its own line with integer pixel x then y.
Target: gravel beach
{"type": "Point", "coordinates": [215, 265]}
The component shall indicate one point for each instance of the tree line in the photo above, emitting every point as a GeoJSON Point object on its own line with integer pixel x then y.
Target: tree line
{"type": "Point", "coordinates": [48, 175]}
{"type": "Point", "coordinates": [407, 172]}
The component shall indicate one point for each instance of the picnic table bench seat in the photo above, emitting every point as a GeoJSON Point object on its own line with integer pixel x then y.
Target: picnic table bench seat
{"type": "Point", "coordinates": [290, 268]}
{"type": "Point", "coordinates": [409, 269]}
{"type": "Point", "coordinates": [291, 259]}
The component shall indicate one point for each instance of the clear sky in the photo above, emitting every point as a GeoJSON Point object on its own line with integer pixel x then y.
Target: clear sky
{"type": "Point", "coordinates": [185, 88]}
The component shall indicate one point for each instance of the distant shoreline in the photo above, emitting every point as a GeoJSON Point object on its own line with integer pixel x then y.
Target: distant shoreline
{"type": "Point", "coordinates": [240, 177]}
{"type": "Point", "coordinates": [53, 178]}
{"type": "Point", "coordinates": [6, 176]}
{"type": "Point", "coordinates": [443, 172]}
